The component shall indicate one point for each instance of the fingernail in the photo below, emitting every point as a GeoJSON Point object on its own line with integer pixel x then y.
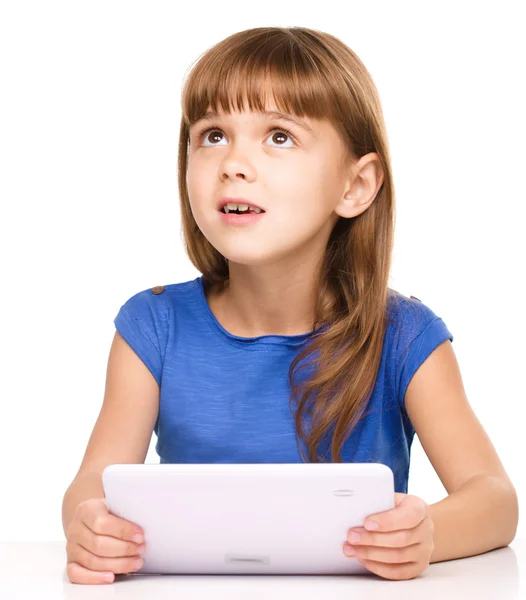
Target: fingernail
{"type": "Point", "coordinates": [371, 525]}
{"type": "Point", "coordinates": [141, 548]}
{"type": "Point", "coordinates": [138, 538]}
{"type": "Point", "coordinates": [349, 550]}
{"type": "Point", "coordinates": [354, 537]}
{"type": "Point", "coordinates": [137, 564]}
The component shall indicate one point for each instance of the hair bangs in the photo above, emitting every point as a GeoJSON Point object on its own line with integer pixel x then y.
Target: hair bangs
{"type": "Point", "coordinates": [247, 76]}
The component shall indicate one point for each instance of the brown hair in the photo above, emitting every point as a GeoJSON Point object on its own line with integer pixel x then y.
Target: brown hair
{"type": "Point", "coordinates": [311, 73]}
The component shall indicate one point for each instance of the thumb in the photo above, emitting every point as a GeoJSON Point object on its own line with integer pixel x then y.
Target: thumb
{"type": "Point", "coordinates": [399, 498]}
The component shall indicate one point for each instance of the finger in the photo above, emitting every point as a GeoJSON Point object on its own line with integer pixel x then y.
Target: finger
{"type": "Point", "coordinates": [389, 539]}
{"type": "Point", "coordinates": [394, 572]}
{"type": "Point", "coordinates": [93, 562]}
{"type": "Point", "coordinates": [410, 511]}
{"type": "Point", "coordinates": [78, 574]}
{"type": "Point", "coordinates": [407, 554]}
{"type": "Point", "coordinates": [106, 546]}
{"type": "Point", "coordinates": [100, 521]}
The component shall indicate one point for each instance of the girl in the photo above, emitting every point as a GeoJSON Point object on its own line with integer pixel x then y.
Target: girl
{"type": "Point", "coordinates": [290, 346]}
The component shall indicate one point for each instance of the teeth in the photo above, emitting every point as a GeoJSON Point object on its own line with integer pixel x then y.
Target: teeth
{"type": "Point", "coordinates": [230, 207]}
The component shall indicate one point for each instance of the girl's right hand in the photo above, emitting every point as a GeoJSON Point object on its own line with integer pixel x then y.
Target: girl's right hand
{"type": "Point", "coordinates": [100, 544]}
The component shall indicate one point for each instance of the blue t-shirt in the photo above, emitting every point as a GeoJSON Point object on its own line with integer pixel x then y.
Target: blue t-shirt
{"type": "Point", "coordinates": [225, 398]}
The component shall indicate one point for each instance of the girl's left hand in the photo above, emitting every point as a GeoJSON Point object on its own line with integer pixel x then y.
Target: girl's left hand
{"type": "Point", "coordinates": [402, 544]}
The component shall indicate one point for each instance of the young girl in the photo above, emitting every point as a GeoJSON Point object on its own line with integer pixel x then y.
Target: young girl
{"type": "Point", "coordinates": [290, 346]}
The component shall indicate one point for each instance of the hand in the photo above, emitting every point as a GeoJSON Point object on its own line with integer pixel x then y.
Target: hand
{"type": "Point", "coordinates": [100, 544]}
{"type": "Point", "coordinates": [401, 546]}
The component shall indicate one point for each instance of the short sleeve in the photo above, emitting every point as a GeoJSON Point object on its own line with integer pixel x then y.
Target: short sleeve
{"type": "Point", "coordinates": [142, 322]}
{"type": "Point", "coordinates": [423, 332]}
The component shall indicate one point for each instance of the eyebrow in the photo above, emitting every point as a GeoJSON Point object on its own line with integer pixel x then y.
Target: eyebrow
{"type": "Point", "coordinates": [273, 114]}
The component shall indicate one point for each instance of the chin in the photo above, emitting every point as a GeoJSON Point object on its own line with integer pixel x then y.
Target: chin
{"type": "Point", "coordinates": [242, 252]}
{"type": "Point", "coordinates": [246, 259]}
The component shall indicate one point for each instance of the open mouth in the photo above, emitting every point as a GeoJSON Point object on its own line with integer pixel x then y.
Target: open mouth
{"type": "Point", "coordinates": [241, 212]}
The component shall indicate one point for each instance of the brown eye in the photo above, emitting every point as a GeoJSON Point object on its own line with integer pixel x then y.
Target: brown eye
{"type": "Point", "coordinates": [282, 134]}
{"type": "Point", "coordinates": [213, 136]}
{"type": "Point", "coordinates": [278, 135]}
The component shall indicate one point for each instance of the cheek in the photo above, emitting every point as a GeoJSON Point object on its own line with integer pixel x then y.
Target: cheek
{"type": "Point", "coordinates": [304, 192]}
{"type": "Point", "coordinates": [199, 190]}
{"type": "Point", "coordinates": [192, 180]}
{"type": "Point", "coordinates": [290, 187]}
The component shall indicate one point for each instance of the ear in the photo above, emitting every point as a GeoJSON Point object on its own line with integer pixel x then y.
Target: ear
{"type": "Point", "coordinates": [366, 178]}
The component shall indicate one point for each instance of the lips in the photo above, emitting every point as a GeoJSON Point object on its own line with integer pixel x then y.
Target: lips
{"type": "Point", "coordinates": [224, 201]}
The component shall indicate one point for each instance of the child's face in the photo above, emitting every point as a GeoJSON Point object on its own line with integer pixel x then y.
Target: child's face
{"type": "Point", "coordinates": [298, 182]}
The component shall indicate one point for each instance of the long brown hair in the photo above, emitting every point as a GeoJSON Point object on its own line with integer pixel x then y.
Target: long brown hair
{"type": "Point", "coordinates": [311, 73]}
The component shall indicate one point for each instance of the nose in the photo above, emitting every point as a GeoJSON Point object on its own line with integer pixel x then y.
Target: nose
{"type": "Point", "coordinates": [236, 165]}
{"type": "Point", "coordinates": [233, 174]}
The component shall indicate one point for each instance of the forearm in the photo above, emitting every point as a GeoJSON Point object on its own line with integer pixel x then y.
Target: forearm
{"type": "Point", "coordinates": [480, 516]}
{"type": "Point", "coordinates": [82, 488]}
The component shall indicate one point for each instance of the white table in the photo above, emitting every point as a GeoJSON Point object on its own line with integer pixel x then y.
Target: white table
{"type": "Point", "coordinates": [38, 570]}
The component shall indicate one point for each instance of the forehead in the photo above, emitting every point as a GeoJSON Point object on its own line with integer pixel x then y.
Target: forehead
{"type": "Point", "coordinates": [269, 113]}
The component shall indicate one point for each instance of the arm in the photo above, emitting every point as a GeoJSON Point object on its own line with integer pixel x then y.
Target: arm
{"type": "Point", "coordinates": [480, 516]}
{"type": "Point", "coordinates": [123, 429]}
{"type": "Point", "coordinates": [480, 512]}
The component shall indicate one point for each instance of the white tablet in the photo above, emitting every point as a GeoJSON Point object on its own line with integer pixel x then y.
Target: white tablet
{"type": "Point", "coordinates": [248, 518]}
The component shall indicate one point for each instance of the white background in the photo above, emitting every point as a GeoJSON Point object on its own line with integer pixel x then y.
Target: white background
{"type": "Point", "coordinates": [89, 124]}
